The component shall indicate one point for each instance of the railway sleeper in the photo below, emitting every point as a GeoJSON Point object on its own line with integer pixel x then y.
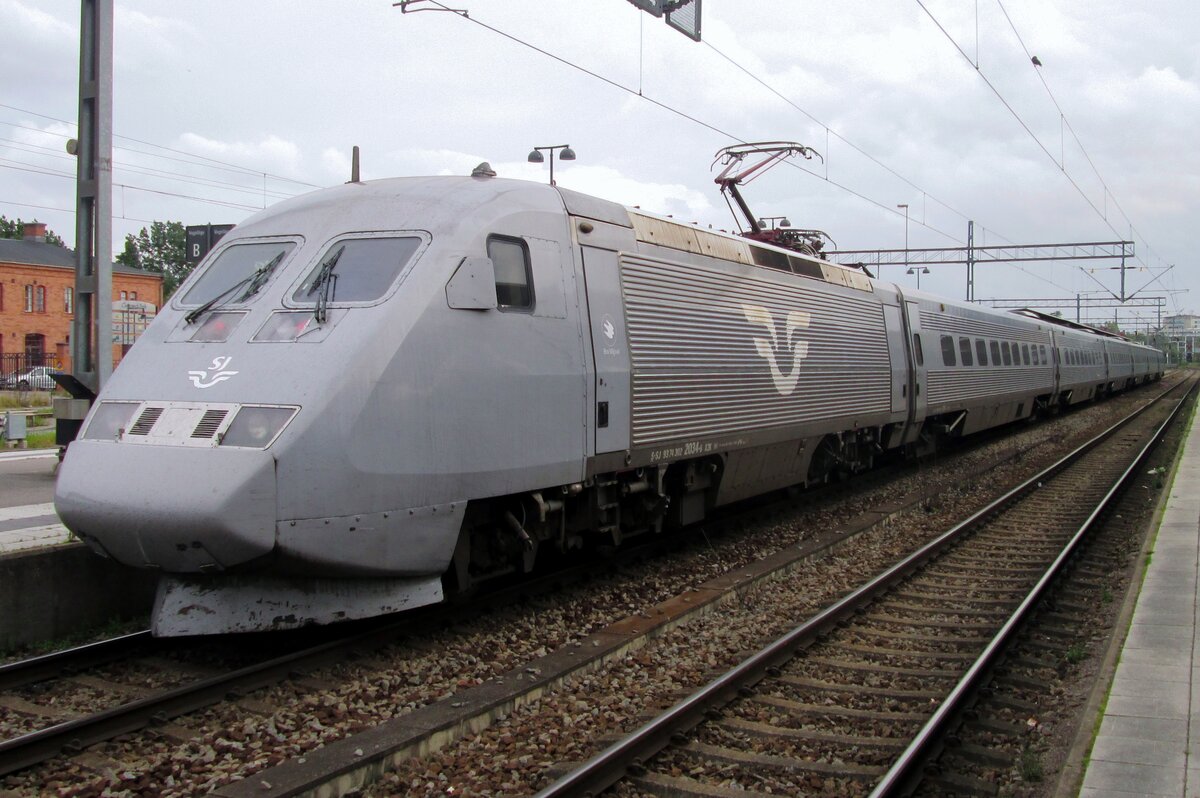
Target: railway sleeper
{"type": "Point", "coordinates": [878, 668]}
{"type": "Point", "coordinates": [957, 784]}
{"type": "Point", "coordinates": [753, 761]}
{"type": "Point", "coordinates": [740, 726]}
{"type": "Point", "coordinates": [686, 787]}
{"type": "Point", "coordinates": [820, 685]}
{"type": "Point", "coordinates": [831, 711]}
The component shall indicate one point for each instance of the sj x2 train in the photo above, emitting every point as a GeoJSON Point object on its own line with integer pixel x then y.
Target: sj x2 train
{"type": "Point", "coordinates": [375, 394]}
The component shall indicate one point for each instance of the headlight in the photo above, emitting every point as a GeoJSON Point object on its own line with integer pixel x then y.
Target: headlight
{"type": "Point", "coordinates": [285, 326]}
{"type": "Point", "coordinates": [109, 420]}
{"type": "Point", "coordinates": [257, 427]}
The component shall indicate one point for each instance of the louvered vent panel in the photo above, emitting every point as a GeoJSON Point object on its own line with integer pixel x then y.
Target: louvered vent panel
{"type": "Point", "coordinates": [209, 424]}
{"type": "Point", "coordinates": [146, 421]}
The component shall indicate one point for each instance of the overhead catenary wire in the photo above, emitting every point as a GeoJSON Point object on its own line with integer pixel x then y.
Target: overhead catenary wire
{"type": "Point", "coordinates": [216, 161]}
{"type": "Point", "coordinates": [1108, 194]}
{"type": "Point", "coordinates": [637, 92]}
{"type": "Point", "coordinates": [49, 152]}
{"type": "Point", "coordinates": [1041, 145]}
{"type": "Point", "coordinates": [6, 164]}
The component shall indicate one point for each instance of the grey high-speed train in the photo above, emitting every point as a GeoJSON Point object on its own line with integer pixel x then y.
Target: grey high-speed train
{"type": "Point", "coordinates": [375, 394]}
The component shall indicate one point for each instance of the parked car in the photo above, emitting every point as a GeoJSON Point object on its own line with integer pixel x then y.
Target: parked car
{"type": "Point", "coordinates": [37, 378]}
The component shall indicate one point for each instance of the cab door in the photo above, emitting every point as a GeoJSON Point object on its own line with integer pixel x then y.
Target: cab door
{"type": "Point", "coordinates": [916, 386]}
{"type": "Point", "coordinates": [610, 412]}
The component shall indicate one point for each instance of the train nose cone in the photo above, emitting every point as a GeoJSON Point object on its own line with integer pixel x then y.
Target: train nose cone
{"type": "Point", "coordinates": [181, 509]}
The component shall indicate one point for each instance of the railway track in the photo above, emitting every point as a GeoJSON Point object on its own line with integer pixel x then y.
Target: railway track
{"type": "Point", "coordinates": [156, 711]}
{"type": "Point", "coordinates": [195, 682]}
{"type": "Point", "coordinates": [855, 699]}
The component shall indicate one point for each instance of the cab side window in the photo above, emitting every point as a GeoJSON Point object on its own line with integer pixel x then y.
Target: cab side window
{"type": "Point", "coordinates": [514, 278]}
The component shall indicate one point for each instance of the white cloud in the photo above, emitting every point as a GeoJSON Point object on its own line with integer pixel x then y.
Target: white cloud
{"type": "Point", "coordinates": [270, 154]}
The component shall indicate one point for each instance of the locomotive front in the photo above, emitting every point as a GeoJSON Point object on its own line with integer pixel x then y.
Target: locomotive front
{"type": "Point", "coordinates": [220, 453]}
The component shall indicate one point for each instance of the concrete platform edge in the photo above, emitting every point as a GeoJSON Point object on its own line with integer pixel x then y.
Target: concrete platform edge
{"type": "Point", "coordinates": [1070, 779]}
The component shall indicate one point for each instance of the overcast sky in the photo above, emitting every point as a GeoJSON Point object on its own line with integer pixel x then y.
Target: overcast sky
{"type": "Point", "coordinates": [279, 92]}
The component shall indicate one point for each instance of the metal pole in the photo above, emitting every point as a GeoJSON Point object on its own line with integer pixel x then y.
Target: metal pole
{"type": "Point", "coordinates": [970, 261]}
{"type": "Point", "coordinates": [91, 337]}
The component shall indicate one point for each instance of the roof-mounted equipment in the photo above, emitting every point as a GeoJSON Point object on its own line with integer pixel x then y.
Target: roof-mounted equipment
{"type": "Point", "coordinates": [809, 242]}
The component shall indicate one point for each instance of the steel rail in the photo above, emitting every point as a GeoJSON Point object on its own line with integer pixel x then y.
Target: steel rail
{"type": "Point", "coordinates": [47, 666]}
{"type": "Point", "coordinates": [629, 753]}
{"type": "Point", "coordinates": [903, 771]}
{"type": "Point", "coordinates": [71, 736]}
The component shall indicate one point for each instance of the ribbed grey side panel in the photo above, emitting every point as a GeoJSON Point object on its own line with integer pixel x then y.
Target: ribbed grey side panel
{"type": "Point", "coordinates": [1015, 329]}
{"type": "Point", "coordinates": [698, 371]}
{"type": "Point", "coordinates": [960, 384]}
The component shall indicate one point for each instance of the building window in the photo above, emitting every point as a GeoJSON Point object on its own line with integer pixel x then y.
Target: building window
{"type": "Point", "coordinates": [69, 300]}
{"type": "Point", "coordinates": [133, 294]}
{"type": "Point", "coordinates": [40, 299]}
{"type": "Point", "coordinates": [123, 296]}
{"type": "Point", "coordinates": [29, 299]}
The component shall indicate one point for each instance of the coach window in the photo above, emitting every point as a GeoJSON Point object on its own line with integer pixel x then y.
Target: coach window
{"type": "Point", "coordinates": [995, 353]}
{"type": "Point", "coordinates": [947, 350]}
{"type": "Point", "coordinates": [1006, 353]}
{"type": "Point", "coordinates": [514, 279]}
{"type": "Point", "coordinates": [1035, 355]}
{"type": "Point", "coordinates": [964, 351]}
{"type": "Point", "coordinates": [1025, 354]}
{"type": "Point", "coordinates": [981, 351]}
{"type": "Point", "coordinates": [1045, 359]}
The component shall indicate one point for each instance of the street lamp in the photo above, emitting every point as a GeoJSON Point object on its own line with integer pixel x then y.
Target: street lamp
{"type": "Point", "coordinates": [918, 272]}
{"type": "Point", "coordinates": [904, 205]}
{"type": "Point", "coordinates": [783, 221]}
{"type": "Point", "coordinates": [567, 154]}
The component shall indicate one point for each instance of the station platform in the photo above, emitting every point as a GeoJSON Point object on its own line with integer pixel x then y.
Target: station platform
{"type": "Point", "coordinates": [1148, 743]}
{"type": "Point", "coordinates": [27, 517]}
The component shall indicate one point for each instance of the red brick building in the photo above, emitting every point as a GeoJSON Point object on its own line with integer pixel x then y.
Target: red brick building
{"type": "Point", "coordinates": [37, 301]}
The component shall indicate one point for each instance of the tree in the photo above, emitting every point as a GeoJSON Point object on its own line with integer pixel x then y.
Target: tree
{"type": "Point", "coordinates": [160, 249]}
{"type": "Point", "coordinates": [15, 228]}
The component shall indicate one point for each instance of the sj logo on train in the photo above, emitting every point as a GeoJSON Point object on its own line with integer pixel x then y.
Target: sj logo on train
{"type": "Point", "coordinates": [776, 348]}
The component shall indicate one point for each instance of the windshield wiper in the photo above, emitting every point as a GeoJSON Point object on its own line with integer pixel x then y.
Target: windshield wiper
{"type": "Point", "coordinates": [260, 276]}
{"type": "Point", "coordinates": [253, 283]}
{"type": "Point", "coordinates": [325, 282]}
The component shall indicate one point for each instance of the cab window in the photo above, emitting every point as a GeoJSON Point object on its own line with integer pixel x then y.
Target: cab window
{"type": "Point", "coordinates": [234, 268]}
{"type": "Point", "coordinates": [514, 278]}
{"type": "Point", "coordinates": [357, 269]}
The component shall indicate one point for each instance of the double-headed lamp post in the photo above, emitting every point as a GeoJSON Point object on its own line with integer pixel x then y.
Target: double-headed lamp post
{"type": "Point", "coordinates": [918, 272]}
{"type": "Point", "coordinates": [567, 154]}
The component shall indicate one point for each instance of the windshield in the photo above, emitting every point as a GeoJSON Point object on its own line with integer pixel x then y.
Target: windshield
{"type": "Point", "coordinates": [235, 265]}
{"type": "Point", "coordinates": [365, 270]}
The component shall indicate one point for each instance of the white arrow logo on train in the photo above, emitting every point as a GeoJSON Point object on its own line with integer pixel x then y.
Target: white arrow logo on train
{"type": "Point", "coordinates": [201, 379]}
{"type": "Point", "coordinates": [769, 349]}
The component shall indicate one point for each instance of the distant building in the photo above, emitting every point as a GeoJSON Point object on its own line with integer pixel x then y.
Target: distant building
{"type": "Point", "coordinates": [1182, 324]}
{"type": "Point", "coordinates": [37, 302]}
